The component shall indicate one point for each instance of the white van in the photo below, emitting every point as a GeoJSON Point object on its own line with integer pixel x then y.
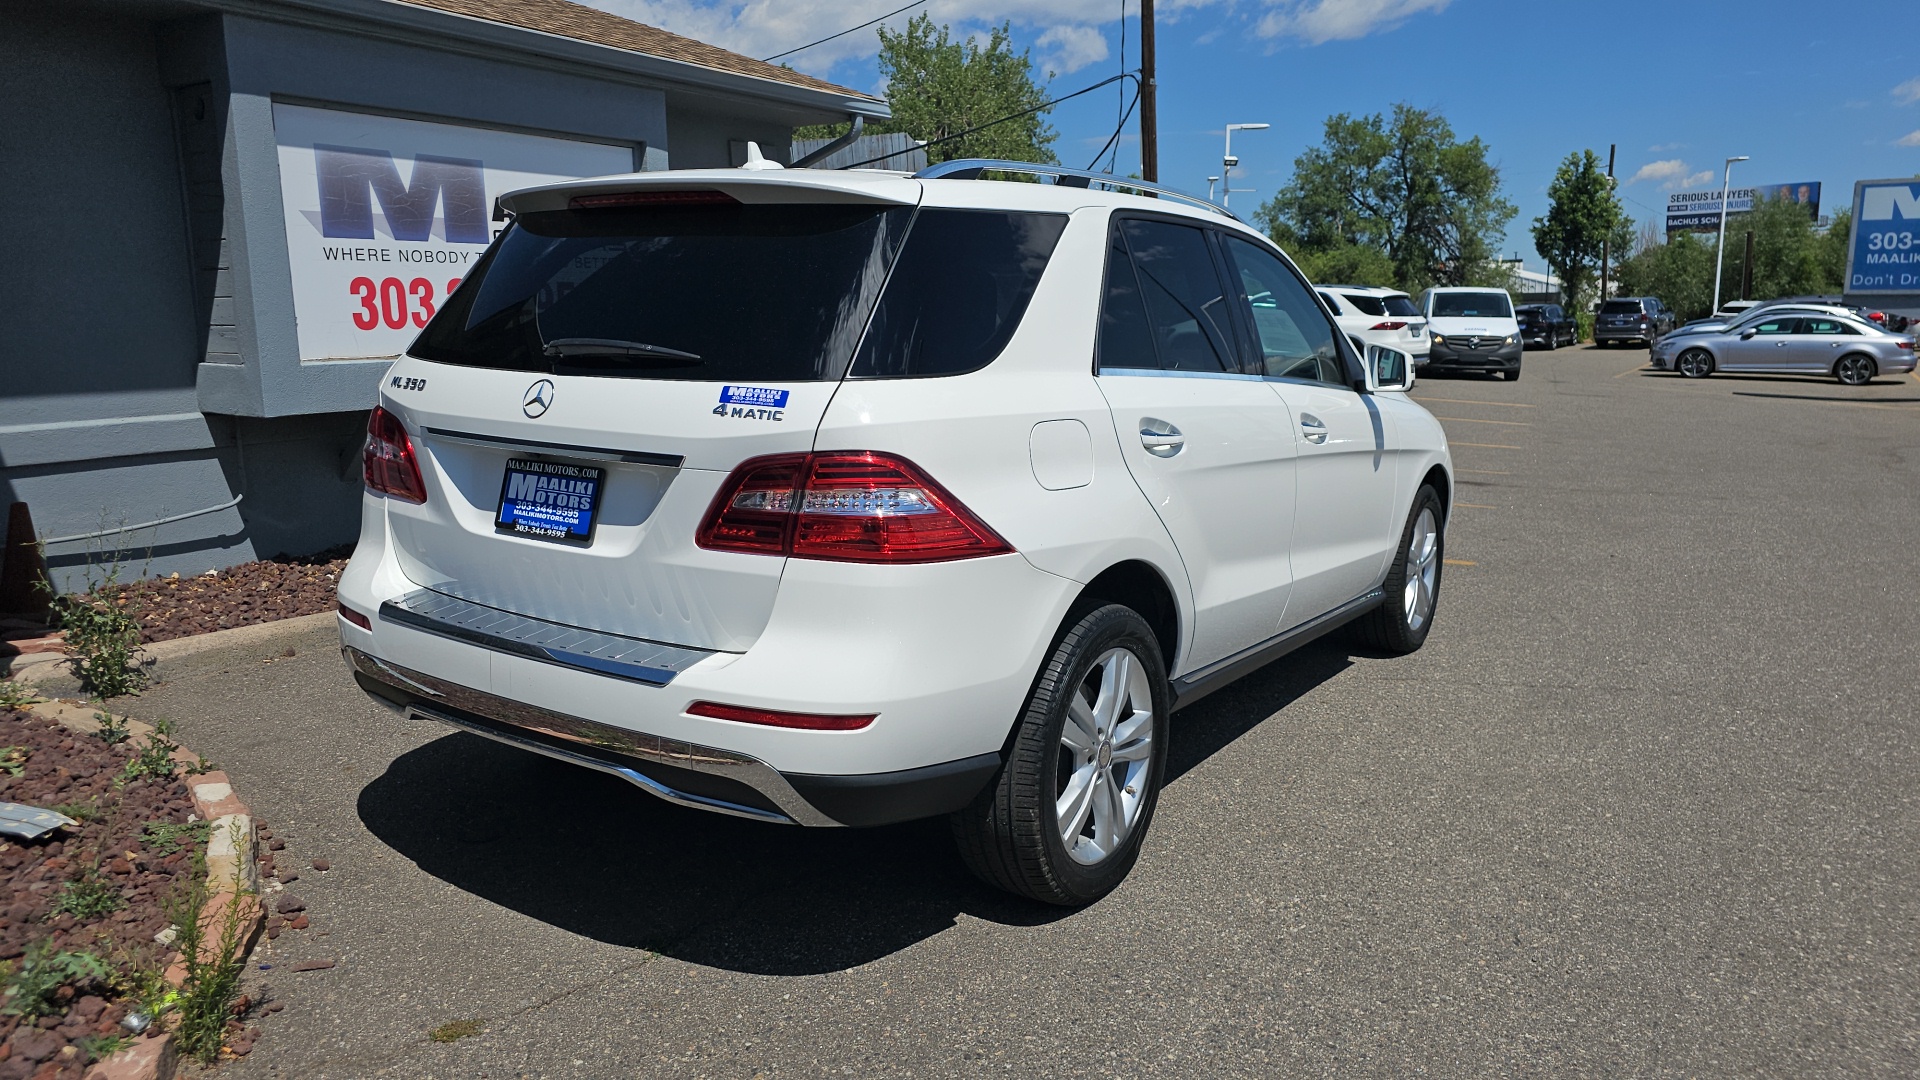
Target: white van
{"type": "Point", "coordinates": [1472, 329]}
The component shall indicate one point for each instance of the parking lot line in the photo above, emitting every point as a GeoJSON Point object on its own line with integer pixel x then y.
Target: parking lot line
{"type": "Point", "coordinates": [1485, 472]}
{"type": "Point", "coordinates": [1471, 420]}
{"type": "Point", "coordinates": [1484, 445]}
{"type": "Point", "coordinates": [1476, 506]}
{"type": "Point", "coordinates": [1643, 367]}
{"type": "Point", "coordinates": [1465, 401]}
{"type": "Point", "coordinates": [1459, 562]}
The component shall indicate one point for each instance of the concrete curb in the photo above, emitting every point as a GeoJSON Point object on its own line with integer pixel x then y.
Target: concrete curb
{"type": "Point", "coordinates": [34, 667]}
{"type": "Point", "coordinates": [233, 870]}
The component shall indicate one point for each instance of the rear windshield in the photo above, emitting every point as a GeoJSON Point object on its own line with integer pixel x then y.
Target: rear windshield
{"type": "Point", "coordinates": [700, 293]}
{"type": "Point", "coordinates": [957, 292]}
{"type": "Point", "coordinates": [1366, 305]}
{"type": "Point", "coordinates": [1399, 304]}
{"type": "Point", "coordinates": [1620, 307]}
{"type": "Point", "coordinates": [1489, 305]}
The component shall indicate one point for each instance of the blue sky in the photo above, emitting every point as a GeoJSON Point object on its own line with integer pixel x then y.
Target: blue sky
{"type": "Point", "coordinates": [1810, 92]}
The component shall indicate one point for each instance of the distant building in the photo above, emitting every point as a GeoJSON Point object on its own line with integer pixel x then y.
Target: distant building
{"type": "Point", "coordinates": [227, 216]}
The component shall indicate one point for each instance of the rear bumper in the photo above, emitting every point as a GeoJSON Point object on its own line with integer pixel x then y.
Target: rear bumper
{"type": "Point", "coordinates": [1622, 333]}
{"type": "Point", "coordinates": [684, 773]}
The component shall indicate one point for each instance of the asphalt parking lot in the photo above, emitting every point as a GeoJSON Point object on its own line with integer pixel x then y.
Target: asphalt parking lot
{"type": "Point", "coordinates": [1645, 805]}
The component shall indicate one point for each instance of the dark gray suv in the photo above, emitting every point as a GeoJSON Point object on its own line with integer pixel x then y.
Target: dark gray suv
{"type": "Point", "coordinates": [1640, 320]}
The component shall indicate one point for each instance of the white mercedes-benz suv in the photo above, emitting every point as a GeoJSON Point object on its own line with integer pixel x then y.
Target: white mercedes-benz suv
{"type": "Point", "coordinates": [847, 498]}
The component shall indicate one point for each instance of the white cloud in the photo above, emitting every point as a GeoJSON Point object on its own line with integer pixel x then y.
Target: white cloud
{"type": "Point", "coordinates": [1070, 48]}
{"type": "Point", "coordinates": [1659, 170]}
{"type": "Point", "coordinates": [1319, 21]}
{"type": "Point", "coordinates": [1911, 138]}
{"type": "Point", "coordinates": [1907, 92]}
{"type": "Point", "coordinates": [1666, 148]}
{"type": "Point", "coordinates": [1695, 180]}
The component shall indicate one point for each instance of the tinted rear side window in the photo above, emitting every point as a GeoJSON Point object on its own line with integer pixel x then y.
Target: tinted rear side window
{"type": "Point", "coordinates": [958, 290]}
{"type": "Point", "coordinates": [1401, 305]}
{"type": "Point", "coordinates": [1185, 303]}
{"type": "Point", "coordinates": [769, 293]}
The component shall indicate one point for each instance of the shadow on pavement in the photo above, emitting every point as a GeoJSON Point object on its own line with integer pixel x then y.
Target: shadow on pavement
{"type": "Point", "coordinates": [590, 854]}
{"type": "Point", "coordinates": [1818, 397]}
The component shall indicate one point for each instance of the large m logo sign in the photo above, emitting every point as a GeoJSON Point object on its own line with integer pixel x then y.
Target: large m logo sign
{"type": "Point", "coordinates": [1890, 201]}
{"type": "Point", "coordinates": [351, 177]}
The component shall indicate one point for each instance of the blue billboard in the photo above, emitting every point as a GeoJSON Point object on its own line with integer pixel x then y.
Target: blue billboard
{"type": "Point", "coordinates": [1884, 255]}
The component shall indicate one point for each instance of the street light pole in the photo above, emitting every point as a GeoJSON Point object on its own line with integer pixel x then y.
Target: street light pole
{"type": "Point", "coordinates": [1211, 180]}
{"type": "Point", "coordinates": [1226, 173]}
{"type": "Point", "coordinates": [1720, 246]}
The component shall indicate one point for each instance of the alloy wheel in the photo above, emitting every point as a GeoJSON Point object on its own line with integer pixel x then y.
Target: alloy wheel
{"type": "Point", "coordinates": [1695, 364]}
{"type": "Point", "coordinates": [1423, 570]}
{"type": "Point", "coordinates": [1855, 370]}
{"type": "Point", "coordinates": [1106, 750]}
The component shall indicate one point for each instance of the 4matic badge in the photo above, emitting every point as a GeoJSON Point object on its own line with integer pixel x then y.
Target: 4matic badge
{"type": "Point", "coordinates": [751, 403]}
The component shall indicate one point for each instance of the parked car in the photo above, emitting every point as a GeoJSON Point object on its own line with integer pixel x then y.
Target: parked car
{"type": "Point", "coordinates": [1762, 312]}
{"type": "Point", "coordinates": [1733, 309]}
{"type": "Point", "coordinates": [1851, 350]}
{"type": "Point", "coordinates": [1379, 317]}
{"type": "Point", "coordinates": [1472, 329]}
{"type": "Point", "coordinates": [1631, 319]}
{"type": "Point", "coordinates": [1546, 325]}
{"type": "Point", "coordinates": [877, 542]}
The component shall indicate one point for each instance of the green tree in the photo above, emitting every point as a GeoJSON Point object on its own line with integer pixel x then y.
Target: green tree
{"type": "Point", "coordinates": [1583, 215]}
{"type": "Point", "coordinates": [937, 87]}
{"type": "Point", "coordinates": [1789, 258]}
{"type": "Point", "coordinates": [1678, 271]}
{"type": "Point", "coordinates": [1419, 199]}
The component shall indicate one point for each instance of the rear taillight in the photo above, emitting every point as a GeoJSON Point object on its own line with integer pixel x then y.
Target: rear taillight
{"type": "Point", "coordinates": [388, 463]}
{"type": "Point", "coordinates": [1388, 326]}
{"type": "Point", "coordinates": [845, 506]}
{"type": "Point", "coordinates": [773, 718]}
{"type": "Point", "coordinates": [1907, 345]}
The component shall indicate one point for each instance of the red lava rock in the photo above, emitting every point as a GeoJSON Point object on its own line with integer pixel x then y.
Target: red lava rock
{"type": "Point", "coordinates": [32, 1044]}
{"type": "Point", "coordinates": [311, 965]}
{"type": "Point", "coordinates": [322, 865]}
{"type": "Point", "coordinates": [255, 592]}
{"type": "Point", "coordinates": [273, 1006]}
{"type": "Point", "coordinates": [277, 844]}
{"type": "Point", "coordinates": [273, 931]}
{"type": "Point", "coordinates": [288, 877]}
{"type": "Point", "coordinates": [289, 904]}
{"type": "Point", "coordinates": [298, 922]}
{"type": "Point", "coordinates": [89, 1008]}
{"type": "Point", "coordinates": [119, 867]}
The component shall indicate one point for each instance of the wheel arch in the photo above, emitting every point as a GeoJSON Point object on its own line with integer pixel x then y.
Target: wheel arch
{"type": "Point", "coordinates": [1441, 481]}
{"type": "Point", "coordinates": [1844, 357]}
{"type": "Point", "coordinates": [1139, 585]}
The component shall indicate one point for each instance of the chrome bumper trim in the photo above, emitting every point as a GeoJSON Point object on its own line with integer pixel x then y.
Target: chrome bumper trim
{"type": "Point", "coordinates": [637, 659]}
{"type": "Point", "coordinates": [600, 746]}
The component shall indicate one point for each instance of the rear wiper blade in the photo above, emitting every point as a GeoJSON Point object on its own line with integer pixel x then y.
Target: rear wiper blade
{"type": "Point", "coordinates": [562, 348]}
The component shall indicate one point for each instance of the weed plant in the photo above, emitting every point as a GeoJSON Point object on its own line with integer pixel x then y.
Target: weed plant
{"type": "Point", "coordinates": [15, 694]}
{"type": "Point", "coordinates": [13, 760]}
{"type": "Point", "coordinates": [164, 838]}
{"type": "Point", "coordinates": [112, 729]}
{"type": "Point", "coordinates": [206, 997]}
{"type": "Point", "coordinates": [96, 1047]}
{"type": "Point", "coordinates": [154, 761]}
{"type": "Point", "coordinates": [31, 986]}
{"type": "Point", "coordinates": [87, 895]}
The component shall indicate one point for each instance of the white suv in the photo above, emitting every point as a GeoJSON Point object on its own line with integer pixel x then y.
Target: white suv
{"type": "Point", "coordinates": [843, 498]}
{"type": "Point", "coordinates": [1379, 317]}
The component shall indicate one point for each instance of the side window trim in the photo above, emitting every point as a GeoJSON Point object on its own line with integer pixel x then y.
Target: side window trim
{"type": "Point", "coordinates": [1116, 227]}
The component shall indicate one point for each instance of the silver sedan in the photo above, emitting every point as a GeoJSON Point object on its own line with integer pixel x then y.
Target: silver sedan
{"type": "Point", "coordinates": [1851, 350]}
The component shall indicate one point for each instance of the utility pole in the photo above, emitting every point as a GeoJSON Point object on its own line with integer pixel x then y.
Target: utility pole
{"type": "Point", "coordinates": [1606, 242]}
{"type": "Point", "coordinates": [1746, 270]}
{"type": "Point", "coordinates": [1720, 245]}
{"type": "Point", "coordinates": [1149, 111]}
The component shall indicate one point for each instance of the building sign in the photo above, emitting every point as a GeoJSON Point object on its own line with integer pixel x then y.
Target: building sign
{"type": "Point", "coordinates": [1884, 254]}
{"type": "Point", "coordinates": [385, 216]}
{"type": "Point", "coordinates": [1699, 211]}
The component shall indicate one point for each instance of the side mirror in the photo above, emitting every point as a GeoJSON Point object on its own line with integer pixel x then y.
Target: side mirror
{"type": "Point", "coordinates": [1388, 369]}
{"type": "Point", "coordinates": [1747, 335]}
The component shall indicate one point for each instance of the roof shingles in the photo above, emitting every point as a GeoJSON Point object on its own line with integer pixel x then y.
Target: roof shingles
{"type": "Point", "coordinates": [582, 23]}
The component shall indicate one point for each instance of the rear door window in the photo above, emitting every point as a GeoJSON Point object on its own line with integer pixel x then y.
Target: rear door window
{"type": "Point", "coordinates": [1367, 305]}
{"type": "Point", "coordinates": [1176, 291]}
{"type": "Point", "coordinates": [1824, 326]}
{"type": "Point", "coordinates": [958, 290]}
{"type": "Point", "coordinates": [706, 292]}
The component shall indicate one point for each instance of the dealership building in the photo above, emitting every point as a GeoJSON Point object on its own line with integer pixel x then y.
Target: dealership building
{"type": "Point", "coordinates": [229, 215]}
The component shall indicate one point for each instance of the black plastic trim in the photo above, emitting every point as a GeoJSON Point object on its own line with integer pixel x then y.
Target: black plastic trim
{"type": "Point", "coordinates": [1195, 685]}
{"type": "Point", "coordinates": [871, 799]}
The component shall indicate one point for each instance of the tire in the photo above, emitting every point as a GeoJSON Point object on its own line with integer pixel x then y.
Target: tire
{"type": "Point", "coordinates": [1513, 373]}
{"type": "Point", "coordinates": [1553, 340]}
{"type": "Point", "coordinates": [1011, 836]}
{"type": "Point", "coordinates": [1694, 364]}
{"type": "Point", "coordinates": [1400, 624]}
{"type": "Point", "coordinates": [1855, 369]}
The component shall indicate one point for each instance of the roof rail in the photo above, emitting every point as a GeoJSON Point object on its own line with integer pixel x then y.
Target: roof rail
{"type": "Point", "coordinates": [971, 168]}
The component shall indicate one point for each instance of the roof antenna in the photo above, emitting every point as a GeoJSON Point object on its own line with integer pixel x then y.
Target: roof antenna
{"type": "Point", "coordinates": [756, 162]}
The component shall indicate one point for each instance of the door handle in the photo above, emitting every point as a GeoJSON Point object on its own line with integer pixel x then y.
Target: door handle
{"type": "Point", "coordinates": [1160, 438]}
{"type": "Point", "coordinates": [1312, 429]}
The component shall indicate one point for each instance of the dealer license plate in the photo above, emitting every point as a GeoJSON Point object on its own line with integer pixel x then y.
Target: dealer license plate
{"type": "Point", "coordinates": [549, 500]}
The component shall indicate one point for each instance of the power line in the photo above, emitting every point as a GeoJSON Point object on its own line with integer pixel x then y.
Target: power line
{"type": "Point", "coordinates": [848, 30]}
{"type": "Point", "coordinates": [1113, 141]}
{"type": "Point", "coordinates": [1010, 116]}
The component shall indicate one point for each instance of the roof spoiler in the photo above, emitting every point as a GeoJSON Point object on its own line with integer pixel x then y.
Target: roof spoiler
{"type": "Point", "coordinates": [759, 184]}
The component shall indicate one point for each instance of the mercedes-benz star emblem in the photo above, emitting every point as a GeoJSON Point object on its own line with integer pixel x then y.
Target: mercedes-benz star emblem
{"type": "Point", "coordinates": [538, 400]}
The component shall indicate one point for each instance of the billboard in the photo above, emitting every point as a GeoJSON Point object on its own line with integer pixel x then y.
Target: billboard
{"type": "Point", "coordinates": [1699, 211]}
{"type": "Point", "coordinates": [385, 215]}
{"type": "Point", "coordinates": [1883, 255]}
